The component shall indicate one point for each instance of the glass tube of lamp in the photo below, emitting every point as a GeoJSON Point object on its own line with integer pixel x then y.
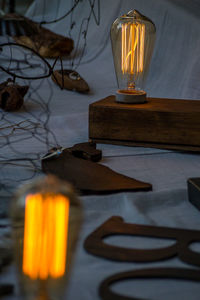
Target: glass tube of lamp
{"type": "Point", "coordinates": [46, 219]}
{"type": "Point", "coordinates": [132, 37]}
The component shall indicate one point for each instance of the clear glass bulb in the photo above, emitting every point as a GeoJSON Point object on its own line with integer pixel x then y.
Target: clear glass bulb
{"type": "Point", "coordinates": [46, 219]}
{"type": "Point", "coordinates": [133, 38]}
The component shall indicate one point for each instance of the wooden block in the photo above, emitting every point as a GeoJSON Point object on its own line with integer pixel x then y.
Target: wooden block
{"type": "Point", "coordinates": [161, 123]}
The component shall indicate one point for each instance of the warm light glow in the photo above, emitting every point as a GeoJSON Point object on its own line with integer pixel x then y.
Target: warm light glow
{"type": "Point", "coordinates": [45, 235]}
{"type": "Point", "coordinates": [133, 36]}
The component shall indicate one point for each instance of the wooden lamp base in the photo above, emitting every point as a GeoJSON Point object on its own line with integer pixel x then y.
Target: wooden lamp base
{"type": "Point", "coordinates": [159, 123]}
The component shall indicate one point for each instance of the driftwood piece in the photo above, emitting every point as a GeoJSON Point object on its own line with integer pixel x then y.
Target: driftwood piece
{"type": "Point", "coordinates": [14, 25]}
{"type": "Point", "coordinates": [70, 80]}
{"type": "Point", "coordinates": [45, 42]}
{"type": "Point", "coordinates": [90, 177]}
{"type": "Point", "coordinates": [12, 95]}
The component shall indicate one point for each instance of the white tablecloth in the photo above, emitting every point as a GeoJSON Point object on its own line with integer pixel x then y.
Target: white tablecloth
{"type": "Point", "coordinates": [174, 73]}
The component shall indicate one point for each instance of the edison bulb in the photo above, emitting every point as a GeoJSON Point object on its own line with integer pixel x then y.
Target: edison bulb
{"type": "Point", "coordinates": [132, 37]}
{"type": "Point", "coordinates": [46, 222]}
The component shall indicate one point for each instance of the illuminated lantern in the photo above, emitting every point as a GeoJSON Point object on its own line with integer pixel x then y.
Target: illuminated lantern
{"type": "Point", "coordinates": [133, 37]}
{"type": "Point", "coordinates": [46, 221]}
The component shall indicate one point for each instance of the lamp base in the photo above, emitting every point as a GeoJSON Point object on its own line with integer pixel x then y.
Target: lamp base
{"type": "Point", "coordinates": [131, 96]}
{"type": "Point", "coordinates": [159, 123]}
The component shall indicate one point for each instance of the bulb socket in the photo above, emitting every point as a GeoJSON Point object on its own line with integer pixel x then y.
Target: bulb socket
{"type": "Point", "coordinates": [131, 96]}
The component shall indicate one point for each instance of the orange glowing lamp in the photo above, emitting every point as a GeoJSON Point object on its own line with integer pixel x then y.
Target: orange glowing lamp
{"type": "Point", "coordinates": [45, 236]}
{"type": "Point", "coordinates": [133, 37]}
{"type": "Point", "coordinates": [46, 222]}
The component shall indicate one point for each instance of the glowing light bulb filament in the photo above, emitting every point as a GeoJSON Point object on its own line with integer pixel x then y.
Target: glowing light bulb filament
{"type": "Point", "coordinates": [132, 51]}
{"type": "Point", "coordinates": [45, 236]}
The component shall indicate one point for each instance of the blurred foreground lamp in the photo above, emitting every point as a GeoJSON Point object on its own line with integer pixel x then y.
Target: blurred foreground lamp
{"type": "Point", "coordinates": [133, 37]}
{"type": "Point", "coordinates": [46, 222]}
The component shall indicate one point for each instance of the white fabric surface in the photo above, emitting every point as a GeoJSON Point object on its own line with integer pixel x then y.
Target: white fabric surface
{"type": "Point", "coordinates": [174, 73]}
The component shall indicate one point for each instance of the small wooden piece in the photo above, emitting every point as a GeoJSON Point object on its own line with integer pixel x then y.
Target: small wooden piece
{"type": "Point", "coordinates": [86, 151]}
{"type": "Point", "coordinates": [78, 166]}
{"type": "Point", "coordinates": [70, 80]}
{"type": "Point", "coordinates": [159, 123]}
{"type": "Point", "coordinates": [12, 95]}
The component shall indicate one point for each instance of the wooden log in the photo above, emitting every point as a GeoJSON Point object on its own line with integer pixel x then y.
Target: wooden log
{"type": "Point", "coordinates": [161, 123]}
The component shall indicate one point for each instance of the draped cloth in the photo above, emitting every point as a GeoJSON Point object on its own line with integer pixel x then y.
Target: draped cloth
{"type": "Point", "coordinates": [174, 73]}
